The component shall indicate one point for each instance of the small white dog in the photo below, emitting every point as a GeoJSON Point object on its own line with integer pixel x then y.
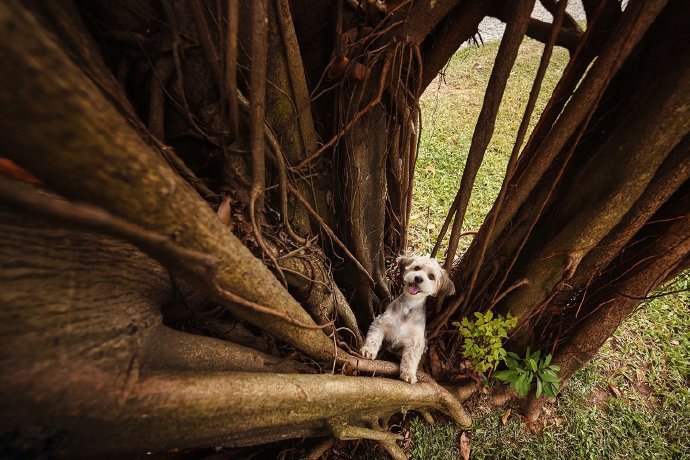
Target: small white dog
{"type": "Point", "coordinates": [402, 325]}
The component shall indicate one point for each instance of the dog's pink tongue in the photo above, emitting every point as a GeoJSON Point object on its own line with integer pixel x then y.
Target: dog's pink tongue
{"type": "Point", "coordinates": [412, 289]}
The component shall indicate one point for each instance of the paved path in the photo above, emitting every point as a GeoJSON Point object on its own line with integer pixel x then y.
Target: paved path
{"type": "Point", "coordinates": [492, 29]}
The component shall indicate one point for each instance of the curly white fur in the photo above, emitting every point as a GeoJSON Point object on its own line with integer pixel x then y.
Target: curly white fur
{"type": "Point", "coordinates": [402, 326]}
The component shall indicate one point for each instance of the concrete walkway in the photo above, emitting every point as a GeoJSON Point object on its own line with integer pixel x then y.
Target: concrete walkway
{"type": "Point", "coordinates": [492, 29]}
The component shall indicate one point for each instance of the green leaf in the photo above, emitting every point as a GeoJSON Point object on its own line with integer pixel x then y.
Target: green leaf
{"type": "Point", "coordinates": [548, 376]}
{"type": "Point", "coordinates": [529, 378]}
{"type": "Point", "coordinates": [519, 385]}
{"type": "Point", "coordinates": [553, 367]}
{"type": "Point", "coordinates": [510, 362]}
{"type": "Point", "coordinates": [489, 314]}
{"type": "Point", "coordinates": [533, 365]}
{"type": "Point", "coordinates": [553, 389]}
{"type": "Point", "coordinates": [513, 355]}
{"type": "Point", "coordinates": [539, 388]}
{"type": "Point", "coordinates": [535, 356]}
{"type": "Point", "coordinates": [547, 361]}
{"type": "Point", "coordinates": [525, 385]}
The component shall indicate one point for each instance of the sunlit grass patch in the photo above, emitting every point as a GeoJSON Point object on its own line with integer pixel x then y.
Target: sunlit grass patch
{"type": "Point", "coordinates": [434, 442]}
{"type": "Point", "coordinates": [450, 108]}
{"type": "Point", "coordinates": [633, 399]}
{"type": "Point", "coordinates": [631, 402]}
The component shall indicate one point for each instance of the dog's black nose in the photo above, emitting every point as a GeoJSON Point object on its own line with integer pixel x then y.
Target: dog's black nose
{"type": "Point", "coordinates": [418, 279]}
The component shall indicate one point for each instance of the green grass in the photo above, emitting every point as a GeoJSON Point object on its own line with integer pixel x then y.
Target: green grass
{"type": "Point", "coordinates": [450, 111]}
{"type": "Point", "coordinates": [434, 442]}
{"type": "Point", "coordinates": [647, 360]}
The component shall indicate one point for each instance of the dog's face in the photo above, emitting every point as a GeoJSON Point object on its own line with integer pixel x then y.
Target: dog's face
{"type": "Point", "coordinates": [423, 276]}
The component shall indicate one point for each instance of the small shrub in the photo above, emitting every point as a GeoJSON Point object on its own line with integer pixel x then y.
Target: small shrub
{"type": "Point", "coordinates": [483, 344]}
{"type": "Point", "coordinates": [522, 371]}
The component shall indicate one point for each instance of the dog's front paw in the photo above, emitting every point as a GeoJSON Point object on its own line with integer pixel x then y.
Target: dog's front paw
{"type": "Point", "coordinates": [368, 352]}
{"type": "Point", "coordinates": [409, 377]}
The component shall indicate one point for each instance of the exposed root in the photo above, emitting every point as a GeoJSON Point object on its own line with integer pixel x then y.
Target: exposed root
{"type": "Point", "coordinates": [522, 131]}
{"type": "Point", "coordinates": [161, 73]}
{"type": "Point", "coordinates": [451, 404]}
{"type": "Point", "coordinates": [346, 432]}
{"type": "Point", "coordinates": [201, 266]}
{"type": "Point", "coordinates": [173, 350]}
{"type": "Point", "coordinates": [330, 232]}
{"type": "Point", "coordinates": [319, 449]}
{"type": "Point", "coordinates": [426, 415]}
{"type": "Point", "coordinates": [394, 450]}
{"type": "Point", "coordinates": [484, 129]}
{"type": "Point", "coordinates": [231, 68]}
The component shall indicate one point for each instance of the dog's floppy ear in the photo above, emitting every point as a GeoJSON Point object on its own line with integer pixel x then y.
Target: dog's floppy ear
{"type": "Point", "coordinates": [445, 285]}
{"type": "Point", "coordinates": [404, 261]}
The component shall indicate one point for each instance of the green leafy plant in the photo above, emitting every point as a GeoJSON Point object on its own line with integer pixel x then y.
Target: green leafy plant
{"type": "Point", "coordinates": [483, 344]}
{"type": "Point", "coordinates": [522, 372]}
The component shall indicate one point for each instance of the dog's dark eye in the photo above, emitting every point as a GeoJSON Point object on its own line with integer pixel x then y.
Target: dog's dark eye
{"type": "Point", "coordinates": [431, 276]}
{"type": "Point", "coordinates": [416, 268]}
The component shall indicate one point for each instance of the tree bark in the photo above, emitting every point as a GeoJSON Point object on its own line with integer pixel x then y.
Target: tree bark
{"type": "Point", "coordinates": [58, 119]}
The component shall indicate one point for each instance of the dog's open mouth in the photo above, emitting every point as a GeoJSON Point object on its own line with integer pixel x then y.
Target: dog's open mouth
{"type": "Point", "coordinates": [412, 288]}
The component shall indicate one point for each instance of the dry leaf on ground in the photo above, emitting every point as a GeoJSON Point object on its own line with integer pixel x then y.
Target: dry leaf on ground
{"type": "Point", "coordinates": [614, 390]}
{"type": "Point", "coordinates": [465, 446]}
{"type": "Point", "coordinates": [224, 212]}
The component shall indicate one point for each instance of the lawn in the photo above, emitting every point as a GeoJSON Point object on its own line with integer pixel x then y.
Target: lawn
{"type": "Point", "coordinates": [450, 108]}
{"type": "Point", "coordinates": [633, 400]}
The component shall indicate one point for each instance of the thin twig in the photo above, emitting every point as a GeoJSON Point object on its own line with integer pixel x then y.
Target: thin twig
{"type": "Point", "coordinates": [232, 297]}
{"type": "Point", "coordinates": [299, 249]}
{"type": "Point", "coordinates": [82, 215]}
{"type": "Point", "coordinates": [183, 170]}
{"type": "Point", "coordinates": [514, 286]}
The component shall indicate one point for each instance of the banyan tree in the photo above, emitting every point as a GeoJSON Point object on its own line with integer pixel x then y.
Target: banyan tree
{"type": "Point", "coordinates": [202, 203]}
